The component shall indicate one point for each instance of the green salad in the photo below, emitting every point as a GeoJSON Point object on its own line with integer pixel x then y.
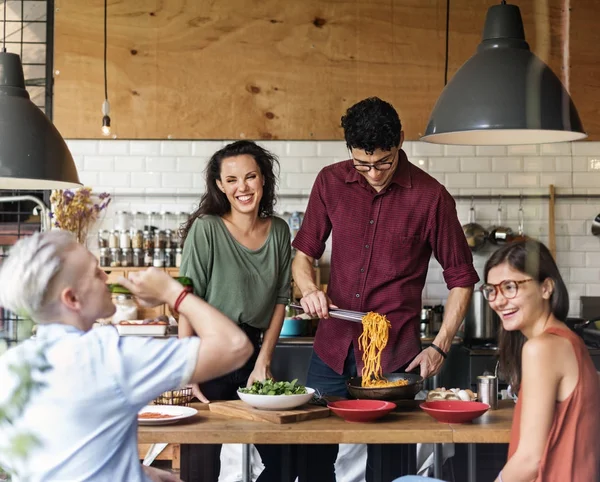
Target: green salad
{"type": "Point", "coordinates": [271, 387]}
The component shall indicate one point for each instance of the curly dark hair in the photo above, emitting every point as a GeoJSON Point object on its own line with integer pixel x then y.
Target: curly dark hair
{"type": "Point", "coordinates": [215, 202]}
{"type": "Point", "coordinates": [372, 124]}
{"type": "Point", "coordinates": [533, 258]}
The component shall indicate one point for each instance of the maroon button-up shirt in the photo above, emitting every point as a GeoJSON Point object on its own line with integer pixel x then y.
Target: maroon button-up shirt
{"type": "Point", "coordinates": [381, 246]}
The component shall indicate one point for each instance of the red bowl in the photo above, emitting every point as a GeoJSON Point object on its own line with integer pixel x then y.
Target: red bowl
{"type": "Point", "coordinates": [454, 411]}
{"type": "Point", "coordinates": [361, 410]}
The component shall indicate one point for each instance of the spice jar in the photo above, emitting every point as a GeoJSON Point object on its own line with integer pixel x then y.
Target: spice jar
{"type": "Point", "coordinates": [178, 253]}
{"type": "Point", "coordinates": [113, 239]}
{"type": "Point", "coordinates": [103, 239]}
{"type": "Point", "coordinates": [138, 258]}
{"type": "Point", "coordinates": [159, 240]}
{"type": "Point", "coordinates": [115, 257]}
{"type": "Point", "coordinates": [169, 258]}
{"type": "Point", "coordinates": [158, 260]}
{"type": "Point", "coordinates": [126, 257]}
{"type": "Point", "coordinates": [169, 239]}
{"type": "Point", "coordinates": [147, 258]}
{"type": "Point", "coordinates": [148, 243]}
{"type": "Point", "coordinates": [124, 239]}
{"type": "Point", "coordinates": [137, 239]}
{"type": "Point", "coordinates": [104, 258]}
{"type": "Point", "coordinates": [126, 309]}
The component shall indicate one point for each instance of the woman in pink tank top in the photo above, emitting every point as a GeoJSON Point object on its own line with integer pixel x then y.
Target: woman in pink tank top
{"type": "Point", "coordinates": [555, 434]}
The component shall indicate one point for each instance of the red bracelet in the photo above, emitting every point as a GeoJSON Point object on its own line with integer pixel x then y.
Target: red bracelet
{"type": "Point", "coordinates": [180, 298]}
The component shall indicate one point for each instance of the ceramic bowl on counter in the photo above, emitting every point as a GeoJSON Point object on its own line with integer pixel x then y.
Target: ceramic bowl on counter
{"type": "Point", "coordinates": [454, 411]}
{"type": "Point", "coordinates": [361, 410]}
{"type": "Point", "coordinates": [276, 402]}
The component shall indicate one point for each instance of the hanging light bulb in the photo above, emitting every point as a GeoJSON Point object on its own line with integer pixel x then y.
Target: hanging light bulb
{"type": "Point", "coordinates": [106, 131]}
{"type": "Point", "coordinates": [106, 118]}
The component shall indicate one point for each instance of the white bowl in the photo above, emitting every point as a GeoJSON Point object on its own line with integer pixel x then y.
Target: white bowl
{"type": "Point", "coordinates": [276, 402]}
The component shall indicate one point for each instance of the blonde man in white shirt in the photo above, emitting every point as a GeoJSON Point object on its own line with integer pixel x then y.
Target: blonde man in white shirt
{"type": "Point", "coordinates": [84, 414]}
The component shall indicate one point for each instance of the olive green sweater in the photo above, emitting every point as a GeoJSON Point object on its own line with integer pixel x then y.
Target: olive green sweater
{"type": "Point", "coordinates": [242, 283]}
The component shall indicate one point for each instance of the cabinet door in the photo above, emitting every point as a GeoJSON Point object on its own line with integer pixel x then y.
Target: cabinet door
{"type": "Point", "coordinates": [113, 275]}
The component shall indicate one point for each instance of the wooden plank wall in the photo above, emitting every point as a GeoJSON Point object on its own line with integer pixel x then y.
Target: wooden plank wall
{"type": "Point", "coordinates": [277, 69]}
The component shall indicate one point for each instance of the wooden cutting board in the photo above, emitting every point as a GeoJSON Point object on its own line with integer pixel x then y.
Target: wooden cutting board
{"type": "Point", "coordinates": [240, 409]}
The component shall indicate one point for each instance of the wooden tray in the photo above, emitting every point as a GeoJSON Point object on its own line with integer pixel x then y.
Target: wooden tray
{"type": "Point", "coordinates": [240, 409]}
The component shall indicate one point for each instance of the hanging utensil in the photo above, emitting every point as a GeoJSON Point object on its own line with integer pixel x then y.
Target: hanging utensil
{"type": "Point", "coordinates": [596, 226]}
{"type": "Point", "coordinates": [347, 315]}
{"type": "Point", "coordinates": [520, 230]}
{"type": "Point", "coordinates": [500, 234]}
{"type": "Point", "coordinates": [475, 233]}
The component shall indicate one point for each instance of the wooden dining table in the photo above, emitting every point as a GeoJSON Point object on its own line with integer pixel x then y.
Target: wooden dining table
{"type": "Point", "coordinates": [406, 425]}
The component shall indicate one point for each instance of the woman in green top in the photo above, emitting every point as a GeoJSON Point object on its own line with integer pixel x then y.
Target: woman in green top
{"type": "Point", "coordinates": [238, 255]}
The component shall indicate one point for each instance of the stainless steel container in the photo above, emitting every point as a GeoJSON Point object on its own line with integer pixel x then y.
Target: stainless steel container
{"type": "Point", "coordinates": [481, 322]}
{"type": "Point", "coordinates": [487, 390]}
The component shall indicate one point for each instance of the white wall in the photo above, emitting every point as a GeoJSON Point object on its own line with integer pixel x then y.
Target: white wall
{"type": "Point", "coordinates": [167, 176]}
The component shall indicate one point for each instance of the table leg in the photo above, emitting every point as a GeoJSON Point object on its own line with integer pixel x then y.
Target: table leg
{"type": "Point", "coordinates": [438, 460]}
{"type": "Point", "coordinates": [471, 463]}
{"type": "Point", "coordinates": [246, 463]}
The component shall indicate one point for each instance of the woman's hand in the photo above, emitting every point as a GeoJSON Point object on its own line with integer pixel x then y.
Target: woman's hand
{"type": "Point", "coordinates": [260, 373]}
{"type": "Point", "coordinates": [197, 393]}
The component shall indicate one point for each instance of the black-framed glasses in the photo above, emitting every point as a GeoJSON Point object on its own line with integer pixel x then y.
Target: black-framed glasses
{"type": "Point", "coordinates": [509, 289]}
{"type": "Point", "coordinates": [378, 166]}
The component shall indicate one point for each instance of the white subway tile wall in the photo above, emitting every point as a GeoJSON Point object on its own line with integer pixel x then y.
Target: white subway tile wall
{"type": "Point", "coordinates": [168, 176]}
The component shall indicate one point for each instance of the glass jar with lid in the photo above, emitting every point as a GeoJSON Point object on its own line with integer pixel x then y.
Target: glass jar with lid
{"type": "Point", "coordinates": [122, 221]}
{"type": "Point", "coordinates": [159, 240]}
{"type": "Point", "coordinates": [137, 239]}
{"type": "Point", "coordinates": [138, 258]}
{"type": "Point", "coordinates": [102, 239]}
{"type": "Point", "coordinates": [124, 239]}
{"type": "Point", "coordinates": [148, 242]}
{"type": "Point", "coordinates": [158, 260]}
{"type": "Point", "coordinates": [169, 238]}
{"type": "Point", "coordinates": [169, 258]}
{"type": "Point", "coordinates": [178, 254]}
{"type": "Point", "coordinates": [113, 239]}
{"type": "Point", "coordinates": [151, 221]}
{"type": "Point", "coordinates": [148, 258]}
{"type": "Point", "coordinates": [104, 258]}
{"type": "Point", "coordinates": [115, 257]}
{"type": "Point", "coordinates": [126, 257]}
{"type": "Point", "coordinates": [126, 310]}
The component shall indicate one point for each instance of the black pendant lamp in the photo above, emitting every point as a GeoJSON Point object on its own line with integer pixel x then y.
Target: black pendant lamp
{"type": "Point", "coordinates": [33, 155]}
{"type": "Point", "coordinates": [504, 94]}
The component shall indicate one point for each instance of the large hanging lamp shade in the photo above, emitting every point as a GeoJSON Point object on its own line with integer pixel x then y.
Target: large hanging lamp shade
{"type": "Point", "coordinates": [504, 94]}
{"type": "Point", "coordinates": [33, 155]}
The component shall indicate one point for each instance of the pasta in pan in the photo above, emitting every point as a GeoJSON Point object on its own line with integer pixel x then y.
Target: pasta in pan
{"type": "Point", "coordinates": [372, 341]}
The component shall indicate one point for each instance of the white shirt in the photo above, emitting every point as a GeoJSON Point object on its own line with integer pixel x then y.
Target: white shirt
{"type": "Point", "coordinates": [85, 415]}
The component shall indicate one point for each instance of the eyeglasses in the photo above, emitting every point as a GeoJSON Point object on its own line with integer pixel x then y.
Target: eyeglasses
{"type": "Point", "coordinates": [509, 289]}
{"type": "Point", "coordinates": [378, 166]}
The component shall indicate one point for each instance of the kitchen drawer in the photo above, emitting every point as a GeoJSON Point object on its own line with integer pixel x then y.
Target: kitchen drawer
{"type": "Point", "coordinates": [113, 275]}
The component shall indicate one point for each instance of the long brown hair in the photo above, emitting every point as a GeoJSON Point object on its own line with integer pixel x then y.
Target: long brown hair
{"type": "Point", "coordinates": [534, 259]}
{"type": "Point", "coordinates": [215, 202]}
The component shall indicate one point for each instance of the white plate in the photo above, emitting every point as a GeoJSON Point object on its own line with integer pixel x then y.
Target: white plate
{"type": "Point", "coordinates": [179, 413]}
{"type": "Point", "coordinates": [142, 330]}
{"type": "Point", "coordinates": [276, 402]}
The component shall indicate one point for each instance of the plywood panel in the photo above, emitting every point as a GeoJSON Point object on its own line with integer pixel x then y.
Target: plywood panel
{"type": "Point", "coordinates": [261, 69]}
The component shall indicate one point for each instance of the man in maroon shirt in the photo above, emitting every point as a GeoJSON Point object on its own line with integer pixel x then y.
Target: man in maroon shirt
{"type": "Point", "coordinates": [386, 218]}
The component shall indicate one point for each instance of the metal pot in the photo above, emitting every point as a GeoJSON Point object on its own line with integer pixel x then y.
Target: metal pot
{"type": "Point", "coordinates": [474, 232]}
{"type": "Point", "coordinates": [500, 234]}
{"type": "Point", "coordinates": [481, 322]}
{"type": "Point", "coordinates": [596, 226]}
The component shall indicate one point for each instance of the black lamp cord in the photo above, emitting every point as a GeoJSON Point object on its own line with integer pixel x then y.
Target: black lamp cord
{"type": "Point", "coordinates": [4, 30]}
{"type": "Point", "coordinates": [447, 40]}
{"type": "Point", "coordinates": [105, 42]}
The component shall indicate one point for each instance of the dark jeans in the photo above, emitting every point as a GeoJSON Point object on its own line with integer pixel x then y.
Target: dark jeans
{"type": "Point", "coordinates": [208, 456]}
{"type": "Point", "coordinates": [322, 378]}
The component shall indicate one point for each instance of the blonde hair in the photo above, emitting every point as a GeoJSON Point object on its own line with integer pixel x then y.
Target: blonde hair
{"type": "Point", "coordinates": [28, 272]}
